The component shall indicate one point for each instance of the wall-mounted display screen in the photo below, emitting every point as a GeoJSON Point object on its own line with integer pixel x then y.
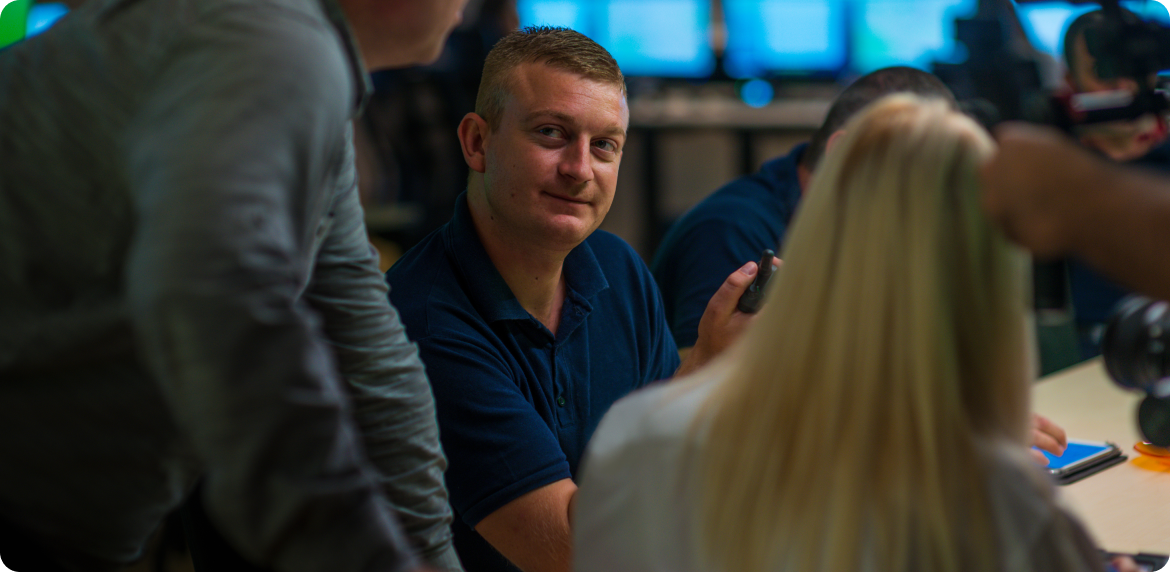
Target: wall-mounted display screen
{"type": "Point", "coordinates": [662, 38]}
{"type": "Point", "coordinates": [785, 37]}
{"type": "Point", "coordinates": [905, 32]}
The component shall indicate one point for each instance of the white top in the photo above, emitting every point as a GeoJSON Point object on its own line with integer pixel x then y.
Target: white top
{"type": "Point", "coordinates": [635, 503]}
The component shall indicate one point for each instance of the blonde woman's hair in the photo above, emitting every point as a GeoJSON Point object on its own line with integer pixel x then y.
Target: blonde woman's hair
{"type": "Point", "coordinates": [892, 343]}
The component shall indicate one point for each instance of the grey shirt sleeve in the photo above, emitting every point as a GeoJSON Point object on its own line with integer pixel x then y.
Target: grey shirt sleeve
{"type": "Point", "coordinates": [392, 400]}
{"type": "Point", "coordinates": [229, 162]}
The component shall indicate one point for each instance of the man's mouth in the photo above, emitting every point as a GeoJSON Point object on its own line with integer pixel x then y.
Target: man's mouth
{"type": "Point", "coordinates": [568, 199]}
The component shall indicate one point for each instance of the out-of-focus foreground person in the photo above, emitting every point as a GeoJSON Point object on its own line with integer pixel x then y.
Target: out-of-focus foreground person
{"type": "Point", "coordinates": [1056, 199]}
{"type": "Point", "coordinates": [187, 291]}
{"type": "Point", "coordinates": [875, 416]}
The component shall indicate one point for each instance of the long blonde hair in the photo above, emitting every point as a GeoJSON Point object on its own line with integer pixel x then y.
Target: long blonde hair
{"type": "Point", "coordinates": [892, 343]}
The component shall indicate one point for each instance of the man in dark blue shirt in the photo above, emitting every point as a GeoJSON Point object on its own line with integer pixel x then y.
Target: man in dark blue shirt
{"type": "Point", "coordinates": [738, 221]}
{"type": "Point", "coordinates": [531, 322]}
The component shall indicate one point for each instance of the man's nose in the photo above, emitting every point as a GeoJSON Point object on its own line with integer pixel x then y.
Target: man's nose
{"type": "Point", "coordinates": [576, 161]}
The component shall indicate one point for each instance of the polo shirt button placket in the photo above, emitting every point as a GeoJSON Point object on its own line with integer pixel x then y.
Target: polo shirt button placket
{"type": "Point", "coordinates": [560, 400]}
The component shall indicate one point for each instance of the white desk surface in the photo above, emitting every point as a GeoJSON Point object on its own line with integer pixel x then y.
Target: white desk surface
{"type": "Point", "coordinates": [1126, 507]}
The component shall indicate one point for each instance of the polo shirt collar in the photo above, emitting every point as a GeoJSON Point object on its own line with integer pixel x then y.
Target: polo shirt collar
{"type": "Point", "coordinates": [362, 87]}
{"type": "Point", "coordinates": [487, 289]}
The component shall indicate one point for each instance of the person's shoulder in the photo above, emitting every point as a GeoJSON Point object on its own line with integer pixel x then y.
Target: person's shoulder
{"type": "Point", "coordinates": [747, 202]}
{"type": "Point", "coordinates": [427, 291]}
{"type": "Point", "coordinates": [1036, 530]}
{"type": "Point", "coordinates": [1022, 495]}
{"type": "Point", "coordinates": [309, 12]}
{"type": "Point", "coordinates": [616, 257]}
{"type": "Point", "coordinates": [661, 413]}
{"type": "Point", "coordinates": [284, 34]}
{"type": "Point", "coordinates": [605, 243]}
{"type": "Point", "coordinates": [427, 256]}
{"type": "Point", "coordinates": [747, 196]}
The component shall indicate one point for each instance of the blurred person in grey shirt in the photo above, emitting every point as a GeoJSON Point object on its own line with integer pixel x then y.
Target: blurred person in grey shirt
{"type": "Point", "coordinates": [187, 291]}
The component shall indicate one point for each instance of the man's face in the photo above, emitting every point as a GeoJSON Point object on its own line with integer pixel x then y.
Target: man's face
{"type": "Point", "coordinates": [551, 165]}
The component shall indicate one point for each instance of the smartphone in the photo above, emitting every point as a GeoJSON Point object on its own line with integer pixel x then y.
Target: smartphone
{"type": "Point", "coordinates": [753, 298]}
{"type": "Point", "coordinates": [1080, 455]}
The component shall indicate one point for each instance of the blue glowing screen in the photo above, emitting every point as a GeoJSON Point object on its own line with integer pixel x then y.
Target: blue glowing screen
{"type": "Point", "coordinates": [666, 38]}
{"type": "Point", "coordinates": [899, 32]}
{"type": "Point", "coordinates": [671, 38]}
{"type": "Point", "coordinates": [784, 36]}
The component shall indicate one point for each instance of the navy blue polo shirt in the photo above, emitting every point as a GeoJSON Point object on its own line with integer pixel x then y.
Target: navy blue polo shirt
{"type": "Point", "coordinates": [720, 234]}
{"type": "Point", "coordinates": [516, 404]}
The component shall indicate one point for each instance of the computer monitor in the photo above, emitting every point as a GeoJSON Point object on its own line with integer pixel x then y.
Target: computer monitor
{"type": "Point", "coordinates": [903, 32]}
{"type": "Point", "coordinates": [785, 37]}
{"type": "Point", "coordinates": [659, 38]}
{"type": "Point", "coordinates": [574, 14]}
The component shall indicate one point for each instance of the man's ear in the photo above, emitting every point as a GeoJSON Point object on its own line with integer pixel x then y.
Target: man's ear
{"type": "Point", "coordinates": [473, 134]}
{"type": "Point", "coordinates": [833, 139]}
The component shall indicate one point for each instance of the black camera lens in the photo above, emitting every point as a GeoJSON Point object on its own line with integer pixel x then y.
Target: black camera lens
{"type": "Point", "coordinates": [1135, 343]}
{"type": "Point", "coordinates": [1134, 349]}
{"type": "Point", "coordinates": [1154, 420]}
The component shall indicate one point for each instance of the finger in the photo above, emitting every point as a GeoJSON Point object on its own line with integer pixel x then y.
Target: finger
{"type": "Point", "coordinates": [1124, 564]}
{"type": "Point", "coordinates": [1046, 425]}
{"type": "Point", "coordinates": [726, 297]}
{"type": "Point", "coordinates": [1046, 442]}
{"type": "Point", "coordinates": [1040, 458]}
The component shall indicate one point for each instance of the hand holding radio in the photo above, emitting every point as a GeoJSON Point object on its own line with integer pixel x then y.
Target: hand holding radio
{"type": "Point", "coordinates": [724, 319]}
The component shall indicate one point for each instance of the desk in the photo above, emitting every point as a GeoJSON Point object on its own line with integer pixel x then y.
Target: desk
{"type": "Point", "coordinates": [1126, 507]}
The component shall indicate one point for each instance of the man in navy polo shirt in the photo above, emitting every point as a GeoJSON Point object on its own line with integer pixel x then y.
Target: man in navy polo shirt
{"type": "Point", "coordinates": [530, 323]}
{"type": "Point", "coordinates": [737, 222]}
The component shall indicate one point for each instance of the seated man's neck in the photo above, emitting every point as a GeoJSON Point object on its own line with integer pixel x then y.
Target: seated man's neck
{"type": "Point", "coordinates": [534, 272]}
{"type": "Point", "coordinates": [803, 176]}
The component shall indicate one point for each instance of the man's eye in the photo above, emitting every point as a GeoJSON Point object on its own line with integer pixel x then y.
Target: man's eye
{"type": "Point", "coordinates": [606, 145]}
{"type": "Point", "coordinates": [550, 132]}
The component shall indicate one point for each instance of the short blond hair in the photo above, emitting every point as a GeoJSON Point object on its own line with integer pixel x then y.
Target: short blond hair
{"type": "Point", "coordinates": [560, 48]}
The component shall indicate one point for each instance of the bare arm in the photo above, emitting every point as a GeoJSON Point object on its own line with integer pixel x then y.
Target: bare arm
{"type": "Point", "coordinates": [533, 531]}
{"type": "Point", "coordinates": [1055, 198]}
